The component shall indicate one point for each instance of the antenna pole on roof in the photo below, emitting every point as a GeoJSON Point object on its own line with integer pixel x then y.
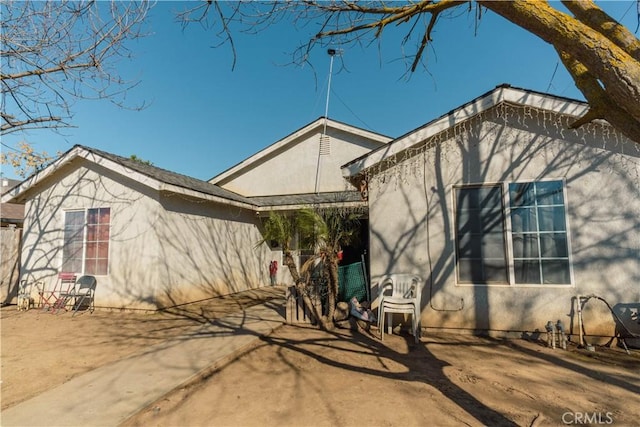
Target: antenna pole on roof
{"type": "Point", "coordinates": [324, 146]}
{"type": "Point", "coordinates": [332, 53]}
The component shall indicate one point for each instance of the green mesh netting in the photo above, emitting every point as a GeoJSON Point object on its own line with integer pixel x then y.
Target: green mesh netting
{"type": "Point", "coordinates": [351, 282]}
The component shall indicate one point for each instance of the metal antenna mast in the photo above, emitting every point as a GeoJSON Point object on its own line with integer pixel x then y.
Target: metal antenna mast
{"type": "Point", "coordinates": [324, 147]}
{"type": "Point", "coordinates": [332, 53]}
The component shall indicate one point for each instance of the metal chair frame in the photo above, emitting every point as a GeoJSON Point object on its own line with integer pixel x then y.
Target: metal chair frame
{"type": "Point", "coordinates": [56, 299]}
{"type": "Point", "coordinates": [84, 288]}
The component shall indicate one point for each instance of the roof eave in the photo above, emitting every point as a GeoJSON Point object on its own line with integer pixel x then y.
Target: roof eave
{"type": "Point", "coordinates": [461, 114]}
{"type": "Point", "coordinates": [165, 187]}
{"type": "Point", "coordinates": [15, 195]}
{"type": "Point", "coordinates": [293, 207]}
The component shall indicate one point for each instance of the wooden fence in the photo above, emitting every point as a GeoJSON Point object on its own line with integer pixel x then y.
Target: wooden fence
{"type": "Point", "coordinates": [9, 263]}
{"type": "Point", "coordinates": [297, 312]}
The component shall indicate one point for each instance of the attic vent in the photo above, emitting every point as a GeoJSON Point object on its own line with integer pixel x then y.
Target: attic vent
{"type": "Point", "coordinates": [325, 145]}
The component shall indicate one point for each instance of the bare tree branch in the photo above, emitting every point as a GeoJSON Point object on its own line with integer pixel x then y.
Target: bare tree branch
{"type": "Point", "coordinates": [602, 56]}
{"type": "Point", "coordinates": [54, 53]}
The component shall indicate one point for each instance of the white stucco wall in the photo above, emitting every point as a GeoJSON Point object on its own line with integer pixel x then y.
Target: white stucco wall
{"type": "Point", "coordinates": [133, 274]}
{"type": "Point", "coordinates": [163, 250]}
{"type": "Point", "coordinates": [292, 168]}
{"type": "Point", "coordinates": [209, 249]}
{"type": "Point", "coordinates": [412, 220]}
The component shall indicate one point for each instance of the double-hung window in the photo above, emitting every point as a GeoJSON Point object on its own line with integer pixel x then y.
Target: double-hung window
{"type": "Point", "coordinates": [86, 241]}
{"type": "Point", "coordinates": [513, 233]}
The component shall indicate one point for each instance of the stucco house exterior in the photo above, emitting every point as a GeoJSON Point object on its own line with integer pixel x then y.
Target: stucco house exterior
{"type": "Point", "coordinates": [508, 215]}
{"type": "Point", "coordinates": [156, 238]}
{"type": "Point", "coordinates": [506, 212]}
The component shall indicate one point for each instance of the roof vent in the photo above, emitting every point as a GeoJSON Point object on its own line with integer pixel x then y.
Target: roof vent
{"type": "Point", "coordinates": [325, 145]}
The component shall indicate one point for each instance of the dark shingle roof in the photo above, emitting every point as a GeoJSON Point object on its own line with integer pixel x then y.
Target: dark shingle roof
{"type": "Point", "coordinates": [198, 185]}
{"type": "Point", "coordinates": [169, 177]}
{"type": "Point", "coordinates": [8, 184]}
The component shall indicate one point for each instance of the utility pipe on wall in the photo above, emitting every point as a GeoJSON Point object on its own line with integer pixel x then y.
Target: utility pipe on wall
{"type": "Point", "coordinates": [579, 302]}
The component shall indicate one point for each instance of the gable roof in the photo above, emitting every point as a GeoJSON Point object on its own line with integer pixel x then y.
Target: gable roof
{"type": "Point", "coordinates": [149, 175]}
{"type": "Point", "coordinates": [316, 124]}
{"type": "Point", "coordinates": [502, 93]}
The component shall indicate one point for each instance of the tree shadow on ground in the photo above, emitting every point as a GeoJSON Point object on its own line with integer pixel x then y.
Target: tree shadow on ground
{"type": "Point", "coordinates": [582, 357]}
{"type": "Point", "coordinates": [397, 359]}
{"type": "Point", "coordinates": [419, 364]}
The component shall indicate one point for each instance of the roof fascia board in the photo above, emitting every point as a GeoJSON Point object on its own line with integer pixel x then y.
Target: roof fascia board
{"type": "Point", "coordinates": [358, 131]}
{"type": "Point", "coordinates": [171, 188]}
{"type": "Point", "coordinates": [13, 196]}
{"type": "Point", "coordinates": [461, 114]}
{"type": "Point", "coordinates": [542, 102]}
{"type": "Point", "coordinates": [288, 139]}
{"type": "Point", "coordinates": [271, 208]}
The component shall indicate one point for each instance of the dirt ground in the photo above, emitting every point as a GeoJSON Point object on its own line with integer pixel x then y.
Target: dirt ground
{"type": "Point", "coordinates": [300, 376]}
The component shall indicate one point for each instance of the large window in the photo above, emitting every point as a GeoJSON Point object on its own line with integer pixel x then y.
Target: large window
{"type": "Point", "coordinates": [86, 241]}
{"type": "Point", "coordinates": [524, 244]}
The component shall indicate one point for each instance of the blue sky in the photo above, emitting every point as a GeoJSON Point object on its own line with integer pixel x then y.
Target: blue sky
{"type": "Point", "coordinates": [203, 117]}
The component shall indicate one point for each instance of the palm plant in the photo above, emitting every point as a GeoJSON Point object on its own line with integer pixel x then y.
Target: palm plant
{"type": "Point", "coordinates": [325, 230]}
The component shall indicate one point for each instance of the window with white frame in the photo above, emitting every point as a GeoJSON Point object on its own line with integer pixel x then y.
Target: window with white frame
{"type": "Point", "coordinates": [513, 233]}
{"type": "Point", "coordinates": [86, 241]}
{"type": "Point", "coordinates": [539, 233]}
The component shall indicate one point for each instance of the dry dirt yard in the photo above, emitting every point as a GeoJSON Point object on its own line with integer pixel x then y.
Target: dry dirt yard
{"type": "Point", "coordinates": [300, 376]}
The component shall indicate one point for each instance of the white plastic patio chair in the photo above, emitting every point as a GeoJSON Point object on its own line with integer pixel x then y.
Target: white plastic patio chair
{"type": "Point", "coordinates": [400, 293]}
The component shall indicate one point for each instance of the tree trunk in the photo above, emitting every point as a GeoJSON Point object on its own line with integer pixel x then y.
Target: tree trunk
{"type": "Point", "coordinates": [332, 274]}
{"type": "Point", "coordinates": [324, 322]}
{"type": "Point", "coordinates": [291, 264]}
{"type": "Point", "coordinates": [604, 63]}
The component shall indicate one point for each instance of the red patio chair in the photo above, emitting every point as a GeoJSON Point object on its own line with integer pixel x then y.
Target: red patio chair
{"type": "Point", "coordinates": [56, 299]}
